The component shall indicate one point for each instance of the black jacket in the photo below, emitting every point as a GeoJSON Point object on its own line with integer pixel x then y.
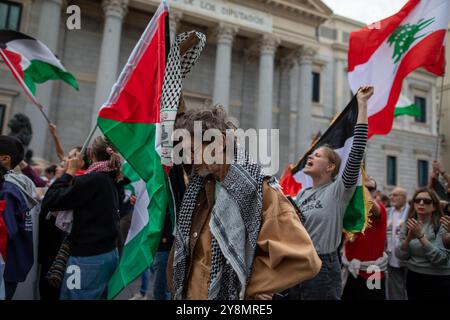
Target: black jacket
{"type": "Point", "coordinates": [94, 199]}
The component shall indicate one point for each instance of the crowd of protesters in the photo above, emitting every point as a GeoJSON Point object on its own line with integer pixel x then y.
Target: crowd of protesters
{"type": "Point", "coordinates": [236, 236]}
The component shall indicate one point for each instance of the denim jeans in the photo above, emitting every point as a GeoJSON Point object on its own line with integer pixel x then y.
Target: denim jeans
{"type": "Point", "coordinates": [94, 274]}
{"type": "Point", "coordinates": [327, 284]}
{"type": "Point", "coordinates": [156, 277]}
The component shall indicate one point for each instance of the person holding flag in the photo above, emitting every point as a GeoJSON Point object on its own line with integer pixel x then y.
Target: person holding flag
{"type": "Point", "coordinates": [323, 205]}
{"type": "Point", "coordinates": [94, 199]}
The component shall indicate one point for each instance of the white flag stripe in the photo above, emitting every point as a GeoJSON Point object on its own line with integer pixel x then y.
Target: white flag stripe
{"type": "Point", "coordinates": [403, 101]}
{"type": "Point", "coordinates": [33, 50]}
{"type": "Point", "coordinates": [140, 213]}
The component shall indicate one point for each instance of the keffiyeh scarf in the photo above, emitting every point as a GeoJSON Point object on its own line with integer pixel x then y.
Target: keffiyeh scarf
{"type": "Point", "coordinates": [177, 67]}
{"type": "Point", "coordinates": [235, 224]}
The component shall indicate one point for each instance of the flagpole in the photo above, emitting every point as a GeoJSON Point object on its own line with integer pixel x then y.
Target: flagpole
{"type": "Point", "coordinates": [24, 86]}
{"type": "Point", "coordinates": [88, 139]}
{"type": "Point", "coordinates": [438, 139]}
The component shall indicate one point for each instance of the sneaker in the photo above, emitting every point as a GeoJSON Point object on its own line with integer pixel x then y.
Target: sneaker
{"type": "Point", "coordinates": [138, 296]}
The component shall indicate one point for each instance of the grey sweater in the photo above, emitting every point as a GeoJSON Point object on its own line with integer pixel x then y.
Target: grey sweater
{"type": "Point", "coordinates": [323, 207]}
{"type": "Point", "coordinates": [433, 259]}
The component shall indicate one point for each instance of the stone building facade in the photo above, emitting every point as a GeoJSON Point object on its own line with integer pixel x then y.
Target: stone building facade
{"type": "Point", "coordinates": [272, 63]}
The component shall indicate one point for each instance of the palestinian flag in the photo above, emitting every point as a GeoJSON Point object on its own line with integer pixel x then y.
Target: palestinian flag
{"type": "Point", "coordinates": [31, 62]}
{"type": "Point", "coordinates": [383, 56]}
{"type": "Point", "coordinates": [131, 121]}
{"type": "Point", "coordinates": [339, 137]}
{"type": "Point", "coordinates": [406, 107]}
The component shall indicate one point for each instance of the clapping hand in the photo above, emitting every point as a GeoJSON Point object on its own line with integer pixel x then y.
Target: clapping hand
{"type": "Point", "coordinates": [445, 222]}
{"type": "Point", "coordinates": [415, 228]}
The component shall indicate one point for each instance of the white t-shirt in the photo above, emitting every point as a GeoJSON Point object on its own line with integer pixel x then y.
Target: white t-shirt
{"type": "Point", "coordinates": [396, 219]}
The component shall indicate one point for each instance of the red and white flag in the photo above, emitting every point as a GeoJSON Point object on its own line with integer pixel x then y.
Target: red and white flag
{"type": "Point", "coordinates": [384, 53]}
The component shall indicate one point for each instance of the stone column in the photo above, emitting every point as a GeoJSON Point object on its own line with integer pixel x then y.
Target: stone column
{"type": "Point", "coordinates": [294, 75]}
{"type": "Point", "coordinates": [338, 88]}
{"type": "Point", "coordinates": [222, 77]}
{"type": "Point", "coordinates": [268, 47]}
{"type": "Point", "coordinates": [115, 11]}
{"type": "Point", "coordinates": [174, 23]}
{"type": "Point", "coordinates": [304, 114]}
{"type": "Point", "coordinates": [346, 95]}
{"type": "Point", "coordinates": [48, 33]}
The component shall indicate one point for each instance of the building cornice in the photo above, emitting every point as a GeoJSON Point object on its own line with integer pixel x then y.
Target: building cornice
{"type": "Point", "coordinates": [315, 11]}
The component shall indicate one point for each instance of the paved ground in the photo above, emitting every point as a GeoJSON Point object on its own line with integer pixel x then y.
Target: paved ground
{"type": "Point", "coordinates": [129, 291]}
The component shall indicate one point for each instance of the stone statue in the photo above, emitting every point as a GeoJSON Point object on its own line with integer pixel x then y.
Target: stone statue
{"type": "Point", "coordinates": [21, 129]}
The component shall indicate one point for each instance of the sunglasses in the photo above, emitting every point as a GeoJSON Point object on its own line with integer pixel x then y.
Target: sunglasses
{"type": "Point", "coordinates": [425, 201]}
{"type": "Point", "coordinates": [371, 189]}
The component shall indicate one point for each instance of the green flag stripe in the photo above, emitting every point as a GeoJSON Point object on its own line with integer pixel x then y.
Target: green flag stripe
{"type": "Point", "coordinates": [411, 110]}
{"type": "Point", "coordinates": [136, 143]}
{"type": "Point", "coordinates": [354, 221]}
{"type": "Point", "coordinates": [40, 72]}
{"type": "Point", "coordinates": [145, 161]}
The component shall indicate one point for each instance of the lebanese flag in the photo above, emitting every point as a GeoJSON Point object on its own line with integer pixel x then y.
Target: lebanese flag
{"type": "Point", "coordinates": [383, 54]}
{"type": "Point", "coordinates": [31, 62]}
{"type": "Point", "coordinates": [130, 120]}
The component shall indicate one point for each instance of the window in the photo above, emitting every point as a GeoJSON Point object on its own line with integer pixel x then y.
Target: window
{"type": "Point", "coordinates": [391, 171]}
{"type": "Point", "coordinates": [421, 103]}
{"type": "Point", "coordinates": [328, 33]}
{"type": "Point", "coordinates": [2, 116]}
{"type": "Point", "coordinates": [345, 37]}
{"type": "Point", "coordinates": [422, 173]}
{"type": "Point", "coordinates": [316, 87]}
{"type": "Point", "coordinates": [10, 13]}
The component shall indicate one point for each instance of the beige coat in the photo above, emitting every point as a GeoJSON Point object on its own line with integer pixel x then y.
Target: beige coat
{"type": "Point", "coordinates": [285, 255]}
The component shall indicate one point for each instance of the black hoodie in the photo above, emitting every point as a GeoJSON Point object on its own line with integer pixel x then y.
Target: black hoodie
{"type": "Point", "coordinates": [94, 199]}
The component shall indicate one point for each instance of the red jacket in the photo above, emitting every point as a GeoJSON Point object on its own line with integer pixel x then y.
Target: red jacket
{"type": "Point", "coordinates": [370, 245]}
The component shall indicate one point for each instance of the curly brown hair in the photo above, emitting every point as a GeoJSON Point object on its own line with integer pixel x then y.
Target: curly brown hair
{"type": "Point", "coordinates": [210, 117]}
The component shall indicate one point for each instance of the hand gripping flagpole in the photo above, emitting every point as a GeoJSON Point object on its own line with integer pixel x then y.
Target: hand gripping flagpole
{"type": "Point", "coordinates": [24, 86]}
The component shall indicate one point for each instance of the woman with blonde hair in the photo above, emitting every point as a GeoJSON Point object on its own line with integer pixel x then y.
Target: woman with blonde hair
{"type": "Point", "coordinates": [324, 204]}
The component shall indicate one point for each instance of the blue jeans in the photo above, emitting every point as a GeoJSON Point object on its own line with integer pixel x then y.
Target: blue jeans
{"type": "Point", "coordinates": [86, 278]}
{"type": "Point", "coordinates": [327, 284]}
{"type": "Point", "coordinates": [157, 275]}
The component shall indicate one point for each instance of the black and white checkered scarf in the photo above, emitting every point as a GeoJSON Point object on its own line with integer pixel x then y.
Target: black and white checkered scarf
{"type": "Point", "coordinates": [177, 67]}
{"type": "Point", "coordinates": [230, 268]}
